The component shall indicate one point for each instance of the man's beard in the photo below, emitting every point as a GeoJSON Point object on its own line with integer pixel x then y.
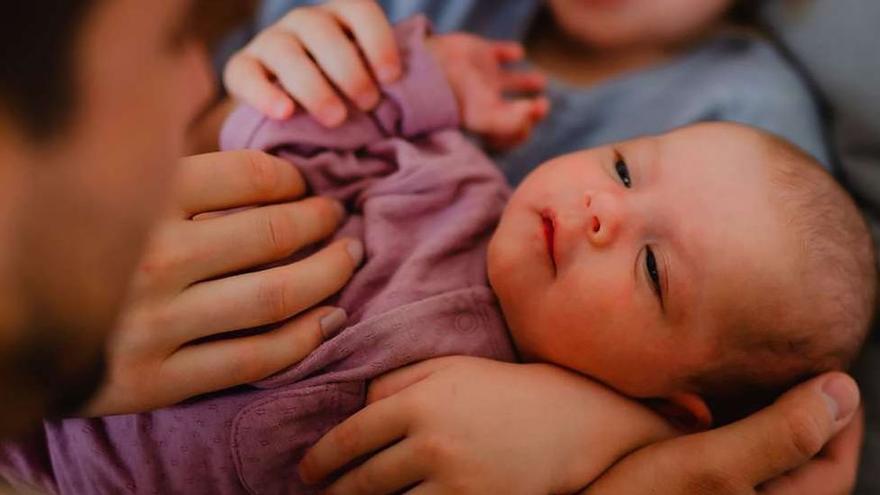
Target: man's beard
{"type": "Point", "coordinates": [67, 371]}
{"type": "Point", "coordinates": [47, 372]}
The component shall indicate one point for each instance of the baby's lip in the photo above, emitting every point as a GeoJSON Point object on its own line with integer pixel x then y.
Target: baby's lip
{"type": "Point", "coordinates": [548, 219]}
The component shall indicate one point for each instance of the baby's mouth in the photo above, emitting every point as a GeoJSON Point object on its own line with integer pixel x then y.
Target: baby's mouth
{"type": "Point", "coordinates": [549, 235]}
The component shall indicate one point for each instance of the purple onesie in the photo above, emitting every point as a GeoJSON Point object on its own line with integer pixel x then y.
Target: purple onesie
{"type": "Point", "coordinates": [425, 202]}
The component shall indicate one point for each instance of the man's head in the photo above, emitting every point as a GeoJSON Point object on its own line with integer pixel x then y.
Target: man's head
{"type": "Point", "coordinates": [95, 100]}
{"type": "Point", "coordinates": [658, 262]}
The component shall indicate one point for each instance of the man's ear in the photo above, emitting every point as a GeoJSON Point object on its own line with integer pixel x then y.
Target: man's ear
{"type": "Point", "coordinates": [688, 411]}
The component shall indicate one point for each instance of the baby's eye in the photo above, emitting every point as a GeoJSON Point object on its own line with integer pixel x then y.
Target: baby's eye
{"type": "Point", "coordinates": [623, 172]}
{"type": "Point", "coordinates": [653, 272]}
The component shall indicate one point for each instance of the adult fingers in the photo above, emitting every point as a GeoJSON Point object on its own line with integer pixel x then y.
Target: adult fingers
{"type": "Point", "coordinates": [833, 471]}
{"type": "Point", "coordinates": [369, 430]}
{"type": "Point", "coordinates": [221, 364]}
{"type": "Point", "coordinates": [788, 433]}
{"type": "Point", "coordinates": [262, 298]}
{"type": "Point", "coordinates": [739, 457]}
{"type": "Point", "coordinates": [370, 27]}
{"type": "Point", "coordinates": [230, 179]}
{"type": "Point", "coordinates": [336, 55]}
{"type": "Point", "coordinates": [255, 236]}
{"type": "Point", "coordinates": [247, 79]}
{"type": "Point", "coordinates": [388, 471]}
{"type": "Point", "coordinates": [285, 57]}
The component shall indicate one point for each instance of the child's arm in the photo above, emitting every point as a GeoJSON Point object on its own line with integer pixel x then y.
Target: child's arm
{"type": "Point", "coordinates": [315, 56]}
{"type": "Point", "coordinates": [470, 425]}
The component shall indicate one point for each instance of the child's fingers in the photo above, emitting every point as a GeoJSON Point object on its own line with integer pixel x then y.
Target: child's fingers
{"type": "Point", "coordinates": [246, 79]}
{"type": "Point", "coordinates": [370, 27]}
{"type": "Point", "coordinates": [284, 56]}
{"type": "Point", "coordinates": [336, 55]}
{"type": "Point", "coordinates": [511, 123]}
{"type": "Point", "coordinates": [540, 108]}
{"type": "Point", "coordinates": [507, 51]}
{"type": "Point", "coordinates": [524, 82]}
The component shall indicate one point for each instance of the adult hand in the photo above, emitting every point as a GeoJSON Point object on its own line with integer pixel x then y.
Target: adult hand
{"type": "Point", "coordinates": [193, 285]}
{"type": "Point", "coordinates": [768, 452]}
{"type": "Point", "coordinates": [311, 51]}
{"type": "Point", "coordinates": [470, 425]}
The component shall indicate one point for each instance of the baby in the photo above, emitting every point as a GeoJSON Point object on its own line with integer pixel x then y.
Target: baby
{"type": "Point", "coordinates": [695, 268]}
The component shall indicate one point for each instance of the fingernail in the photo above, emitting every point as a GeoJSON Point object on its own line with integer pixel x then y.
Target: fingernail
{"type": "Point", "coordinates": [368, 100]}
{"type": "Point", "coordinates": [281, 109]}
{"type": "Point", "coordinates": [340, 209]}
{"type": "Point", "coordinates": [333, 115]}
{"type": "Point", "coordinates": [333, 322]}
{"type": "Point", "coordinates": [356, 251]}
{"type": "Point", "coordinates": [842, 396]}
{"type": "Point", "coordinates": [388, 74]}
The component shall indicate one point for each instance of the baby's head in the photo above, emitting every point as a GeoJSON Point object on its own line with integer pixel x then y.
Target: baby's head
{"type": "Point", "coordinates": [714, 265]}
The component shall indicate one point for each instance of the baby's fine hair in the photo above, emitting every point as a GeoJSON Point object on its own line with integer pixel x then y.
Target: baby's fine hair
{"type": "Point", "coordinates": [824, 326]}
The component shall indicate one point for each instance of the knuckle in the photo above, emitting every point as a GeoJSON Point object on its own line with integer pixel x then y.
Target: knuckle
{"type": "Point", "coordinates": [433, 448]}
{"type": "Point", "coordinates": [359, 84]}
{"type": "Point", "coordinates": [805, 433]}
{"type": "Point", "coordinates": [363, 480]}
{"type": "Point", "coordinates": [346, 439]}
{"type": "Point", "coordinates": [285, 47]}
{"type": "Point", "coordinates": [301, 16]}
{"type": "Point", "coordinates": [246, 364]}
{"type": "Point", "coordinates": [280, 232]}
{"type": "Point", "coordinates": [160, 318]}
{"type": "Point", "coordinates": [262, 172]}
{"type": "Point", "coordinates": [273, 298]}
{"type": "Point", "coordinates": [157, 269]}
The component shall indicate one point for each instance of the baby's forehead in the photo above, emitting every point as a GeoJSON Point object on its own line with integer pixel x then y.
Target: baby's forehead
{"type": "Point", "coordinates": [714, 197]}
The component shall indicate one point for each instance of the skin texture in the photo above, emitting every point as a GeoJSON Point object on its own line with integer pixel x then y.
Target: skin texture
{"type": "Point", "coordinates": [699, 199]}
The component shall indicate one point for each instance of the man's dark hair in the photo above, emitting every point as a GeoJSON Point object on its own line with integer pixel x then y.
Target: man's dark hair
{"type": "Point", "coordinates": [37, 42]}
{"type": "Point", "coordinates": [38, 45]}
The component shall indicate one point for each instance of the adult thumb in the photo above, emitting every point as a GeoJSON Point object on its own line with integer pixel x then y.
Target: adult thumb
{"type": "Point", "coordinates": [787, 433]}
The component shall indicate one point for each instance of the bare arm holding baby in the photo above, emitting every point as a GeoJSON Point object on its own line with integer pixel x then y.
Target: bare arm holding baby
{"type": "Point", "coordinates": [694, 471]}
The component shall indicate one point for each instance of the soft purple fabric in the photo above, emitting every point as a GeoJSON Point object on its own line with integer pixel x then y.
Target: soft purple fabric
{"type": "Point", "coordinates": [425, 202]}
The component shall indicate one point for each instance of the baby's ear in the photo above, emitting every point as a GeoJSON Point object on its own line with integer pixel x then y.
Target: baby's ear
{"type": "Point", "coordinates": [687, 411]}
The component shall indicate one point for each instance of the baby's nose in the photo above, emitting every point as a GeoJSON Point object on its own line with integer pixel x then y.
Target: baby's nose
{"type": "Point", "coordinates": [604, 217]}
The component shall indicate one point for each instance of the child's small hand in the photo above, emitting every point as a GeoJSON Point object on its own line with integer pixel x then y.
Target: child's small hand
{"type": "Point", "coordinates": [476, 72]}
{"type": "Point", "coordinates": [310, 52]}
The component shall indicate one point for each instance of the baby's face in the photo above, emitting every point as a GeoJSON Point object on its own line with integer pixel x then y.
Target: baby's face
{"type": "Point", "coordinates": [625, 262]}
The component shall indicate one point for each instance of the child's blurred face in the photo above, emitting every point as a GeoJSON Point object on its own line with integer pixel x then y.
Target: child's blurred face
{"type": "Point", "coordinates": [624, 262]}
{"type": "Point", "coordinates": [621, 23]}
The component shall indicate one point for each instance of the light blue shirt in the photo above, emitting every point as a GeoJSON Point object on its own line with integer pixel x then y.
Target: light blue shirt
{"type": "Point", "coordinates": [738, 78]}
